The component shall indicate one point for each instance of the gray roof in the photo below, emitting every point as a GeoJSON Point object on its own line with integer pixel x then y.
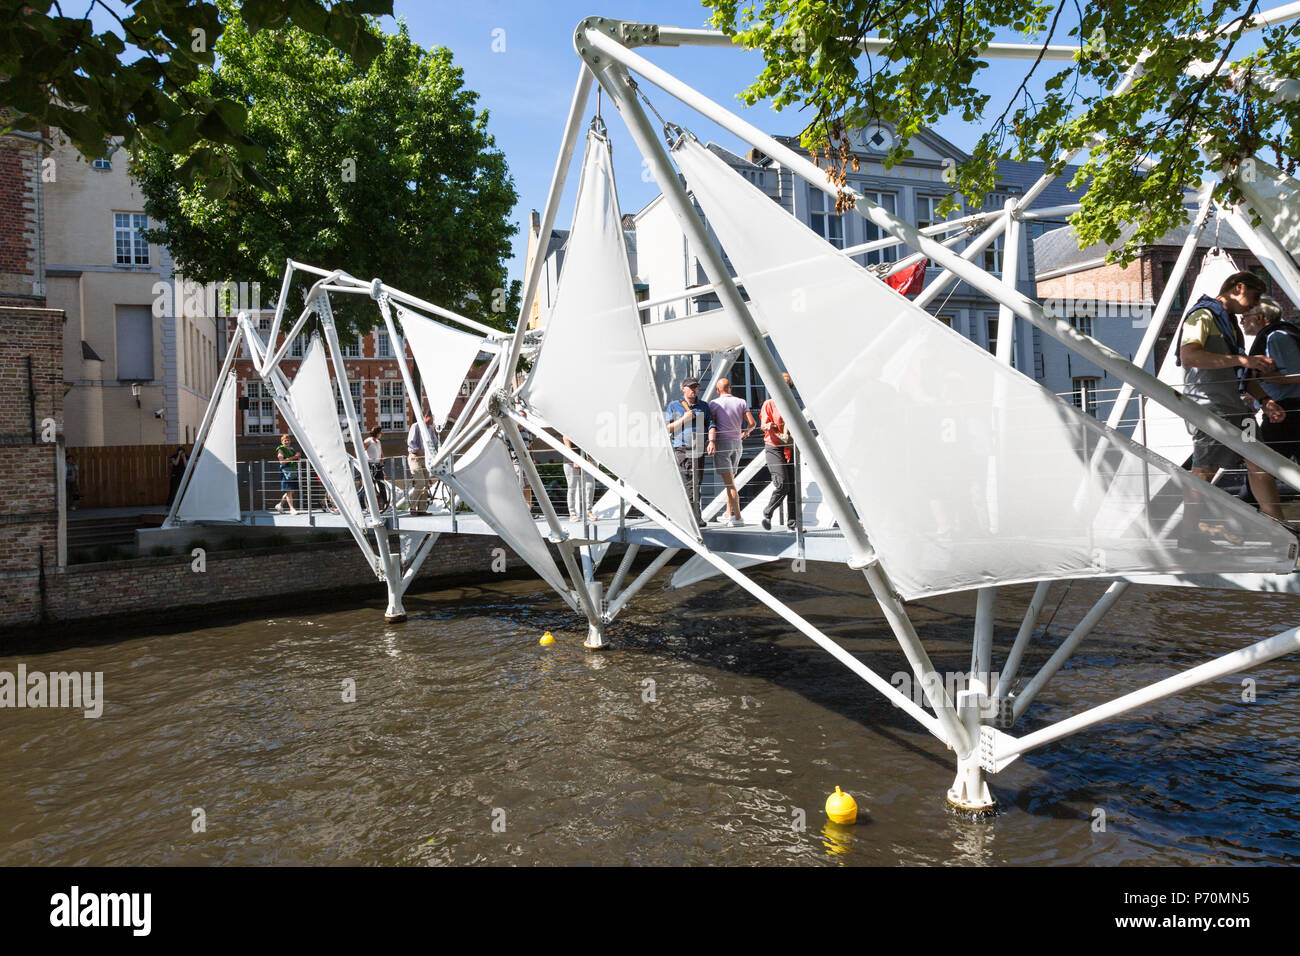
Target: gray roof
{"type": "Point", "coordinates": [1058, 251]}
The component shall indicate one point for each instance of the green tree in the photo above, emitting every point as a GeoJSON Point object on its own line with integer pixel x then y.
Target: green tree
{"type": "Point", "coordinates": [385, 171]}
{"type": "Point", "coordinates": [1198, 104]}
{"type": "Point", "coordinates": [56, 71]}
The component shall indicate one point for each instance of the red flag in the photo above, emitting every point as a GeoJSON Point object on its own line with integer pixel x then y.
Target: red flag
{"type": "Point", "coordinates": [910, 280]}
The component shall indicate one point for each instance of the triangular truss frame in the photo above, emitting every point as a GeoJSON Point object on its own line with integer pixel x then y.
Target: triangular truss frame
{"type": "Point", "coordinates": [974, 725]}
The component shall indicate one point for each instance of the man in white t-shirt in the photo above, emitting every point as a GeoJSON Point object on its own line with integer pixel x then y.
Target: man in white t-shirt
{"type": "Point", "coordinates": [419, 495]}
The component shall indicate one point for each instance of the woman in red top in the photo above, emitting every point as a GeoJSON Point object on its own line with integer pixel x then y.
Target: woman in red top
{"type": "Point", "coordinates": [780, 462]}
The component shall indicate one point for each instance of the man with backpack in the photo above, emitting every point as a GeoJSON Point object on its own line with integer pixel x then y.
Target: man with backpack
{"type": "Point", "coordinates": [1212, 350]}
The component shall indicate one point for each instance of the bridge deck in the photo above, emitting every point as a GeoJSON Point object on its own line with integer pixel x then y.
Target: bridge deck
{"type": "Point", "coordinates": [815, 544]}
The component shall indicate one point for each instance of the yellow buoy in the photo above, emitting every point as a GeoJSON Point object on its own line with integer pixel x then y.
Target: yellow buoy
{"type": "Point", "coordinates": [841, 807]}
{"type": "Point", "coordinates": [547, 638]}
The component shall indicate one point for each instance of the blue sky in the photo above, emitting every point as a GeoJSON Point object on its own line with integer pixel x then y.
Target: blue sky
{"type": "Point", "coordinates": [527, 87]}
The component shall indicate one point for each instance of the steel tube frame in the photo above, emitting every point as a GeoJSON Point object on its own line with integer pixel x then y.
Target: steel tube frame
{"type": "Point", "coordinates": [273, 379]}
{"type": "Point", "coordinates": [620, 574]}
{"type": "Point", "coordinates": [862, 555]}
{"type": "Point", "coordinates": [1068, 646]}
{"type": "Point", "coordinates": [1006, 748]}
{"type": "Point", "coordinates": [484, 382]}
{"type": "Point", "coordinates": [934, 724]}
{"type": "Point", "coordinates": [399, 349]}
{"type": "Point", "coordinates": [576, 577]}
{"type": "Point", "coordinates": [486, 515]}
{"type": "Point", "coordinates": [1017, 652]}
{"type": "Point", "coordinates": [391, 564]}
{"type": "Point", "coordinates": [568, 141]}
{"type": "Point", "coordinates": [977, 278]}
{"type": "Point", "coordinates": [615, 605]}
{"type": "Point", "coordinates": [1173, 286]}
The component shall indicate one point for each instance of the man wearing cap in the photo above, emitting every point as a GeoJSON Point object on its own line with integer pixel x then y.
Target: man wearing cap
{"type": "Point", "coordinates": [1212, 350]}
{"type": "Point", "coordinates": [689, 420]}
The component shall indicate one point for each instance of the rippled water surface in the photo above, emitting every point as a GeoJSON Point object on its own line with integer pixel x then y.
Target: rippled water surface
{"type": "Point", "coordinates": [703, 736]}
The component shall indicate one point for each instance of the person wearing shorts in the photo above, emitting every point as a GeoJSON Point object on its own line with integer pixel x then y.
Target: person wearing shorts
{"type": "Point", "coordinates": [288, 457]}
{"type": "Point", "coordinates": [1212, 351]}
{"type": "Point", "coordinates": [734, 423]}
{"type": "Point", "coordinates": [1280, 341]}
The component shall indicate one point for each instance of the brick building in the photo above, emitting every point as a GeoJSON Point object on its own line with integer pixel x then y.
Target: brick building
{"type": "Point", "coordinates": [373, 376]}
{"type": "Point", "coordinates": [1115, 303]}
{"type": "Point", "coordinates": [22, 245]}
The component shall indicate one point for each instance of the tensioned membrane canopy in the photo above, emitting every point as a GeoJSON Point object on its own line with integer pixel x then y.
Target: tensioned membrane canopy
{"type": "Point", "coordinates": [213, 490]}
{"type": "Point", "coordinates": [443, 356]}
{"type": "Point", "coordinates": [592, 379]}
{"type": "Point", "coordinates": [312, 396]}
{"type": "Point", "coordinates": [485, 477]}
{"type": "Point", "coordinates": [965, 473]}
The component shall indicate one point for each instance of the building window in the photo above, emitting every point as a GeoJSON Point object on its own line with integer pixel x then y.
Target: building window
{"type": "Point", "coordinates": [128, 238]}
{"type": "Point", "coordinates": [264, 324]}
{"type": "Point", "coordinates": [392, 406]}
{"type": "Point", "coordinates": [945, 319]}
{"type": "Point", "coordinates": [991, 322]}
{"type": "Point", "coordinates": [299, 346]}
{"type": "Point", "coordinates": [1040, 369]}
{"type": "Point", "coordinates": [927, 211]}
{"type": "Point", "coordinates": [134, 343]}
{"type": "Point", "coordinates": [1082, 324]}
{"type": "Point", "coordinates": [1180, 297]}
{"type": "Point", "coordinates": [993, 256]}
{"type": "Point", "coordinates": [384, 348]}
{"type": "Point", "coordinates": [1084, 395]}
{"type": "Point", "coordinates": [355, 389]}
{"type": "Point", "coordinates": [260, 417]}
{"type": "Point", "coordinates": [824, 222]}
{"type": "Point", "coordinates": [351, 351]}
{"type": "Point", "coordinates": [889, 203]}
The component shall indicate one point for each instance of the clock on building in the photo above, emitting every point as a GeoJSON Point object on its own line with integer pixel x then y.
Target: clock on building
{"type": "Point", "coordinates": [877, 138]}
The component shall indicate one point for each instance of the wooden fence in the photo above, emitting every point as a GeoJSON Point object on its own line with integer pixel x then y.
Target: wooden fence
{"type": "Point", "coordinates": [123, 476]}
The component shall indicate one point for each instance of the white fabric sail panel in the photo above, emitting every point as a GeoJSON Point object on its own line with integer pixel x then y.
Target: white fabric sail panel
{"type": "Point", "coordinates": [1275, 196]}
{"type": "Point", "coordinates": [213, 490]}
{"type": "Point", "coordinates": [711, 331]}
{"type": "Point", "coordinates": [592, 379]}
{"type": "Point", "coordinates": [911, 414]}
{"type": "Point", "coordinates": [312, 396]}
{"type": "Point", "coordinates": [1165, 433]}
{"type": "Point", "coordinates": [444, 357]}
{"type": "Point", "coordinates": [485, 477]}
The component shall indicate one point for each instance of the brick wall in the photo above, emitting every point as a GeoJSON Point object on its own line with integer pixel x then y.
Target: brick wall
{"type": "Point", "coordinates": [155, 588]}
{"type": "Point", "coordinates": [20, 239]}
{"type": "Point", "coordinates": [29, 471]}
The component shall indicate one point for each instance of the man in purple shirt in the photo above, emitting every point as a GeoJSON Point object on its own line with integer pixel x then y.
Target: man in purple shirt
{"type": "Point", "coordinates": [730, 414]}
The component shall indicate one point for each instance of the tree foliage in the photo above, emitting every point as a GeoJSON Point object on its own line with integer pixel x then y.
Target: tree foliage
{"type": "Point", "coordinates": [385, 170]}
{"type": "Point", "coordinates": [1196, 106]}
{"type": "Point", "coordinates": [56, 71]}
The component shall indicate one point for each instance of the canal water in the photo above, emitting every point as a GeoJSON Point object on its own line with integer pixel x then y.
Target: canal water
{"type": "Point", "coordinates": [709, 733]}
